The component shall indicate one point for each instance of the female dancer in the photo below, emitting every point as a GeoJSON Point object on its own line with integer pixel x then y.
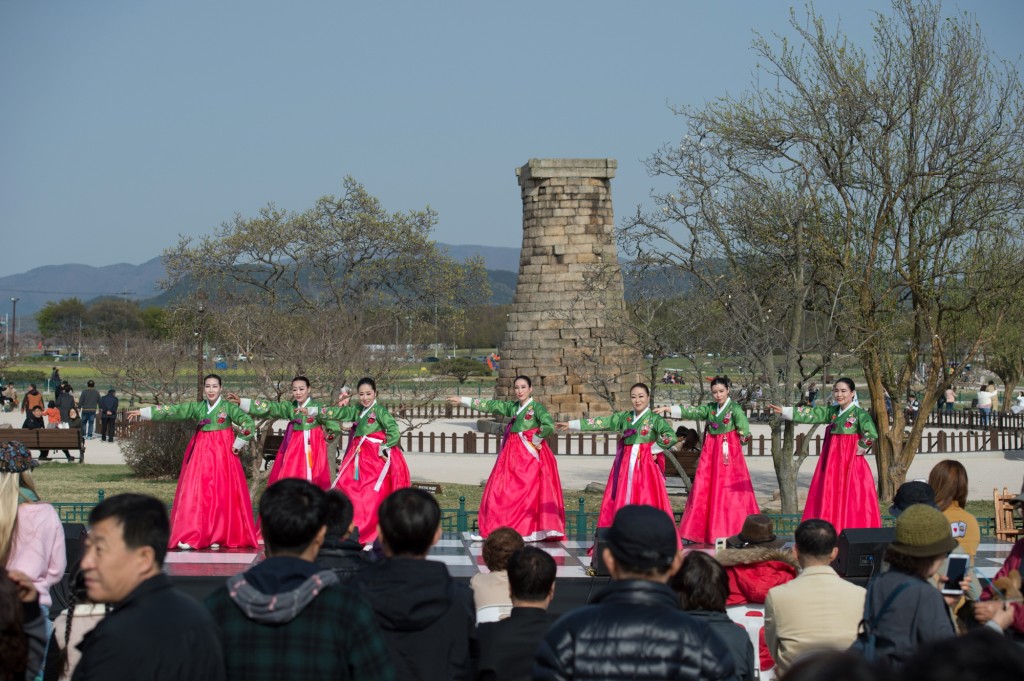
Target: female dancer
{"type": "Point", "coordinates": [373, 466]}
{"type": "Point", "coordinates": [843, 488]}
{"type": "Point", "coordinates": [722, 496]}
{"type": "Point", "coordinates": [211, 506]}
{"type": "Point", "coordinates": [303, 452]}
{"type": "Point", "coordinates": [523, 491]}
{"type": "Point", "coordinates": [636, 477]}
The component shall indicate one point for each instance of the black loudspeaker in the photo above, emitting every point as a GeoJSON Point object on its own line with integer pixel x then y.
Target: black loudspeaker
{"type": "Point", "coordinates": [861, 551]}
{"type": "Point", "coordinates": [600, 541]}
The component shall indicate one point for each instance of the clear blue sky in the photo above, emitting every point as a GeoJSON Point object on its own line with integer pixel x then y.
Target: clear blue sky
{"type": "Point", "coordinates": [124, 124]}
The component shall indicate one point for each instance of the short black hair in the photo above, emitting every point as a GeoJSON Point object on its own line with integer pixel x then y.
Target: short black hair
{"type": "Point", "coordinates": [531, 572]}
{"type": "Point", "coordinates": [816, 537]}
{"type": "Point", "coordinates": [292, 511]}
{"type": "Point", "coordinates": [409, 519]}
{"type": "Point", "coordinates": [91, 384]}
{"type": "Point", "coordinates": [339, 513]}
{"type": "Point", "coordinates": [366, 380]}
{"type": "Point", "coordinates": [303, 379]}
{"type": "Point", "coordinates": [143, 521]}
{"type": "Point", "coordinates": [702, 583]}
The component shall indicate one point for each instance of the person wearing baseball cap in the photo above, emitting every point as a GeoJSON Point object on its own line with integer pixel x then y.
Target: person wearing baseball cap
{"type": "Point", "coordinates": [918, 613]}
{"type": "Point", "coordinates": [636, 611]}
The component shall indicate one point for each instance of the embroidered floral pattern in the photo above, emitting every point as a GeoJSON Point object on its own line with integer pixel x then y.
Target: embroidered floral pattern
{"type": "Point", "coordinates": [727, 419]}
{"type": "Point", "coordinates": [645, 430]}
{"type": "Point", "coordinates": [591, 422]}
{"type": "Point", "coordinates": [309, 419]}
{"type": "Point", "coordinates": [221, 418]}
{"type": "Point", "coordinates": [372, 420]}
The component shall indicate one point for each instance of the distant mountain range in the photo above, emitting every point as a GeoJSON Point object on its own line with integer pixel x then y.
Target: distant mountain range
{"type": "Point", "coordinates": [40, 285]}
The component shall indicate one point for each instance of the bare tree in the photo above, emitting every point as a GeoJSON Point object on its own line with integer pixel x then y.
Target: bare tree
{"type": "Point", "coordinates": [881, 190]}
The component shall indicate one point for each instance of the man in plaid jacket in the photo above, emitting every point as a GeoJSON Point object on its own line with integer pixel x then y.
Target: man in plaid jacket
{"type": "Point", "coordinates": [287, 618]}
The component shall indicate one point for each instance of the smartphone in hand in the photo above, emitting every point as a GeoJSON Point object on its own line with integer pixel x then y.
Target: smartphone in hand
{"type": "Point", "coordinates": [956, 569]}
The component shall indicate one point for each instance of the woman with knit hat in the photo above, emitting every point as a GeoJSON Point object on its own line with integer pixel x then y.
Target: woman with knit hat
{"type": "Point", "coordinates": [917, 613]}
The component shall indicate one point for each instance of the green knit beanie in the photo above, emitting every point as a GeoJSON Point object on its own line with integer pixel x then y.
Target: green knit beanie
{"type": "Point", "coordinates": [922, 532]}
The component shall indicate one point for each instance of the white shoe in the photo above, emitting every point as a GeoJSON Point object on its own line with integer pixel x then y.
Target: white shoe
{"type": "Point", "coordinates": [184, 547]}
{"type": "Point", "coordinates": [473, 536]}
{"type": "Point", "coordinates": [214, 546]}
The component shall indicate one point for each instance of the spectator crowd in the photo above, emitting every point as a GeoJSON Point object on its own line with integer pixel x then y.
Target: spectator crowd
{"type": "Point", "coordinates": [318, 606]}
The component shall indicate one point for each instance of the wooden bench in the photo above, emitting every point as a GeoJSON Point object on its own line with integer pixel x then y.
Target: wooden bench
{"type": "Point", "coordinates": [687, 459]}
{"type": "Point", "coordinates": [47, 438]}
{"type": "Point", "coordinates": [270, 448]}
{"type": "Point", "coordinates": [1006, 525]}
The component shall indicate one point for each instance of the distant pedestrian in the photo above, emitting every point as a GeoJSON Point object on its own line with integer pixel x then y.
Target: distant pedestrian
{"type": "Point", "coordinates": [55, 381]}
{"type": "Point", "coordinates": [108, 416]}
{"type": "Point", "coordinates": [32, 398]}
{"type": "Point", "coordinates": [65, 401]}
{"type": "Point", "coordinates": [88, 406]}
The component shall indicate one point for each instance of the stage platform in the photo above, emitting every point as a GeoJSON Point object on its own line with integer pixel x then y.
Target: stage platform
{"type": "Point", "coordinates": [200, 572]}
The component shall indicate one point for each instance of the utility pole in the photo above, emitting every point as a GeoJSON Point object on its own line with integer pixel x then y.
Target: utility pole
{"type": "Point", "coordinates": [14, 323]}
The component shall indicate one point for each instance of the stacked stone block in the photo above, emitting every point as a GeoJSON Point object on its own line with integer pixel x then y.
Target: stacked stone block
{"type": "Point", "coordinates": [568, 234]}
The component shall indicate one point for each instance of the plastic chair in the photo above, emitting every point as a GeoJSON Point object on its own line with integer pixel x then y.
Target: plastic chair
{"type": "Point", "coordinates": [750, 616]}
{"type": "Point", "coordinates": [492, 613]}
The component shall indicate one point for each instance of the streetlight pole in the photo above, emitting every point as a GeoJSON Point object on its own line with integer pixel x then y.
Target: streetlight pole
{"type": "Point", "coordinates": [199, 353]}
{"type": "Point", "coordinates": [7, 335]}
{"type": "Point", "coordinates": [14, 323]}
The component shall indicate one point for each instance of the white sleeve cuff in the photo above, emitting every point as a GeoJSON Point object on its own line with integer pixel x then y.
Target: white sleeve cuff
{"type": "Point", "coordinates": [246, 404]}
{"type": "Point", "coordinates": [537, 440]}
{"type": "Point", "coordinates": [146, 413]}
{"type": "Point", "coordinates": [312, 411]}
{"type": "Point", "coordinates": [656, 448]}
{"type": "Point", "coordinates": [676, 412]}
{"type": "Point", "coordinates": [787, 413]}
{"type": "Point", "coordinates": [239, 443]}
{"type": "Point", "coordinates": [574, 425]}
{"type": "Point", "coordinates": [466, 401]}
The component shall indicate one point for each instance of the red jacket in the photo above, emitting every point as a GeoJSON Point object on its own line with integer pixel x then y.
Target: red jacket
{"type": "Point", "coordinates": [752, 572]}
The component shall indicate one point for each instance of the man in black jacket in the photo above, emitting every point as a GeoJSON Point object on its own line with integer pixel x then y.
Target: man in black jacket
{"type": "Point", "coordinates": [634, 628]}
{"type": "Point", "coordinates": [341, 550]}
{"type": "Point", "coordinates": [507, 646]}
{"type": "Point", "coordinates": [153, 631]}
{"type": "Point", "coordinates": [427, 617]}
{"type": "Point", "coordinates": [65, 401]}
{"type": "Point", "coordinates": [108, 416]}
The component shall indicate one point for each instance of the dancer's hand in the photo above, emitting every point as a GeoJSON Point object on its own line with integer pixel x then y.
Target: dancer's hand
{"type": "Point", "coordinates": [775, 409]}
{"type": "Point", "coordinates": [453, 400]}
{"type": "Point", "coordinates": [133, 415]}
{"type": "Point", "coordinates": [343, 399]}
{"type": "Point", "coordinates": [233, 398]}
{"type": "Point", "coordinates": [562, 425]}
{"type": "Point", "coordinates": [662, 411]}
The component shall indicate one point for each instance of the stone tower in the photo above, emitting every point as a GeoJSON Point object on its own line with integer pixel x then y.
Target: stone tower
{"type": "Point", "coordinates": [569, 294]}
